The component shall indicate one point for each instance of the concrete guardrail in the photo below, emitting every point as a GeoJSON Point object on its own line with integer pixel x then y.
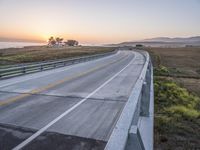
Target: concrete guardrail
{"type": "Point", "coordinates": [134, 129]}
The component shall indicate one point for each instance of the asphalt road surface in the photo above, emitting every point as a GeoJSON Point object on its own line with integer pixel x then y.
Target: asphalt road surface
{"type": "Point", "coordinates": [74, 107]}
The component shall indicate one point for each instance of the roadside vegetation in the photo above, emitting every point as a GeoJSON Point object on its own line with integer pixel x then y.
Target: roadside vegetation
{"type": "Point", "coordinates": [177, 116]}
{"type": "Point", "coordinates": [177, 98]}
{"type": "Point", "coordinates": [30, 54]}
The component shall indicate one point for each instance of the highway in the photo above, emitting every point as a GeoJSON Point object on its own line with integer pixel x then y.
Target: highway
{"type": "Point", "coordinates": [74, 107]}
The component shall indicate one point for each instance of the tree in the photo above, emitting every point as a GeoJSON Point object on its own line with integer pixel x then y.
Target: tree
{"type": "Point", "coordinates": [72, 42]}
{"type": "Point", "coordinates": [51, 41]}
{"type": "Point", "coordinates": [59, 40]}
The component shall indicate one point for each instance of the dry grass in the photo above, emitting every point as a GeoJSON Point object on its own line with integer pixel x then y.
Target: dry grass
{"type": "Point", "coordinates": [185, 60]}
{"type": "Point", "coordinates": [193, 85]}
{"type": "Point", "coordinates": [44, 53]}
{"type": "Point", "coordinates": [181, 62]}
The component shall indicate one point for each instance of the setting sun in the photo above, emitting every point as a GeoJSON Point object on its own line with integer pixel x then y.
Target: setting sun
{"type": "Point", "coordinates": [98, 21]}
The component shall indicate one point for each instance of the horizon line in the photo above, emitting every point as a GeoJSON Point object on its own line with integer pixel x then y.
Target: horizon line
{"type": "Point", "coordinates": [7, 39]}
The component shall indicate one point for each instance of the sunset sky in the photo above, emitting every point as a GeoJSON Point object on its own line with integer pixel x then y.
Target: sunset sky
{"type": "Point", "coordinates": [99, 21]}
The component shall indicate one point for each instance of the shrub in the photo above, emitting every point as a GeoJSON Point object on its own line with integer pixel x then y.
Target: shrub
{"type": "Point", "coordinates": [182, 112]}
{"type": "Point", "coordinates": [161, 70]}
{"type": "Point", "coordinates": [168, 93]}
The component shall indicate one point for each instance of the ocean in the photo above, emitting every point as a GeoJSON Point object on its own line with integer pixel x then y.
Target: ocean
{"type": "Point", "coordinates": [17, 44]}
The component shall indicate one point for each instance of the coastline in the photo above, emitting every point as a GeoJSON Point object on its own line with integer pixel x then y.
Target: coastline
{"type": "Point", "coordinates": [4, 45]}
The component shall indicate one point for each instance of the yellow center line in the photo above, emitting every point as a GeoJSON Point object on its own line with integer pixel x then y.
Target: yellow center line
{"type": "Point", "coordinates": [51, 85]}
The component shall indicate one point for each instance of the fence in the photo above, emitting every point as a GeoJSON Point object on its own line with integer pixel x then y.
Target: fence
{"type": "Point", "coordinates": [31, 68]}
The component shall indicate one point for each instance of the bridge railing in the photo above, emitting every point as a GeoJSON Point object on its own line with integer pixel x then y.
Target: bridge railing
{"type": "Point", "coordinates": [31, 68]}
{"type": "Point", "coordinates": [134, 129]}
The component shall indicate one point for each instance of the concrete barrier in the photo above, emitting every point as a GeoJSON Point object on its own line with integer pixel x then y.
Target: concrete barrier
{"type": "Point", "coordinates": [134, 129]}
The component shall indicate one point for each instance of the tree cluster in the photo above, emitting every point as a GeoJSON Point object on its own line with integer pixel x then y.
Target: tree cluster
{"type": "Point", "coordinates": [59, 41]}
{"type": "Point", "coordinates": [71, 43]}
{"type": "Point", "coordinates": [54, 41]}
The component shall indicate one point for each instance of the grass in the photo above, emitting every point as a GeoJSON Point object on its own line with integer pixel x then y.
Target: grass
{"type": "Point", "coordinates": [177, 102]}
{"type": "Point", "coordinates": [43, 53]}
{"type": "Point", "coordinates": [183, 61]}
{"type": "Point", "coordinates": [182, 64]}
{"type": "Point", "coordinates": [177, 116]}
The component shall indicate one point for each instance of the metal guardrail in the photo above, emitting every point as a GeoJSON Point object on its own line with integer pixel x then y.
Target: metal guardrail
{"type": "Point", "coordinates": [31, 68]}
{"type": "Point", "coordinates": [134, 129]}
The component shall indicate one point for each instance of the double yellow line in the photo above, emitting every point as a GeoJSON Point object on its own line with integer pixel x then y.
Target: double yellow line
{"type": "Point", "coordinates": [51, 85]}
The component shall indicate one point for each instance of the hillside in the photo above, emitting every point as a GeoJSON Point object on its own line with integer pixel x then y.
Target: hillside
{"type": "Point", "coordinates": [164, 42]}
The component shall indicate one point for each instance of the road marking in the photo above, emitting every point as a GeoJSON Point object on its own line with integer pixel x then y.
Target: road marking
{"type": "Point", "coordinates": [51, 85]}
{"type": "Point", "coordinates": [35, 135]}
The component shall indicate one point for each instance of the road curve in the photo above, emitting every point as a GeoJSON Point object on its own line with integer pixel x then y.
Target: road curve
{"type": "Point", "coordinates": [73, 107]}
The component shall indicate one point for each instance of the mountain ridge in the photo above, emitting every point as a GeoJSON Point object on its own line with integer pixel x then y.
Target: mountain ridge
{"type": "Point", "coordinates": [177, 39]}
{"type": "Point", "coordinates": [164, 42]}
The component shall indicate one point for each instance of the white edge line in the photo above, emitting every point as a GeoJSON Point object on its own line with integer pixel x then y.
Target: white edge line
{"type": "Point", "coordinates": [35, 135]}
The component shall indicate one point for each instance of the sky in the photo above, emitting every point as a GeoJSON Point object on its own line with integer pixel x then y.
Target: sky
{"type": "Point", "coordinates": [99, 21]}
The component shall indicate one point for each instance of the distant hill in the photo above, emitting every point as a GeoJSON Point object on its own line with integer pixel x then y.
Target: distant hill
{"type": "Point", "coordinates": [176, 40]}
{"type": "Point", "coordinates": [164, 42]}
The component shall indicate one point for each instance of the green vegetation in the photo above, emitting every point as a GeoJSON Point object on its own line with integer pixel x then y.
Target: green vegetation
{"type": "Point", "coordinates": [161, 70]}
{"type": "Point", "coordinates": [177, 116]}
{"type": "Point", "coordinates": [177, 98]}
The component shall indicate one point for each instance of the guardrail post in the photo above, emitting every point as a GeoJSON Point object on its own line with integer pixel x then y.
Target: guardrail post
{"type": "Point", "coordinates": [24, 70]}
{"type": "Point", "coordinates": [145, 100]}
{"type": "Point", "coordinates": [41, 67]}
{"type": "Point", "coordinates": [134, 140]}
